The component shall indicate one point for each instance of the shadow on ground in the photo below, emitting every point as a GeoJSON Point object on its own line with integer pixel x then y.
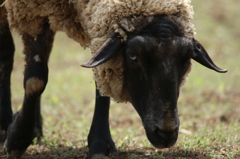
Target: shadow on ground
{"type": "Point", "coordinates": [64, 152]}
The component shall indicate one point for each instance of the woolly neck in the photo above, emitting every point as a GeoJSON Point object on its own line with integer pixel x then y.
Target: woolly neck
{"type": "Point", "coordinates": [101, 18]}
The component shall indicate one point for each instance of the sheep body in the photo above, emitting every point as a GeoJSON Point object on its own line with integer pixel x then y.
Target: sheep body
{"type": "Point", "coordinates": [27, 16]}
{"type": "Point", "coordinates": [90, 22]}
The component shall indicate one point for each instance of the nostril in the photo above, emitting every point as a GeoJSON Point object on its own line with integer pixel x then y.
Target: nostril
{"type": "Point", "coordinates": [166, 133]}
{"type": "Point", "coordinates": [168, 138]}
{"type": "Point", "coordinates": [161, 133]}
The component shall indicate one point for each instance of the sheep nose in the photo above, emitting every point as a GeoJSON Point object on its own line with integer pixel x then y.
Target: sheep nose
{"type": "Point", "coordinates": [168, 136]}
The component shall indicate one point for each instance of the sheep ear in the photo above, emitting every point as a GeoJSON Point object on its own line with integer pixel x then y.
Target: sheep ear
{"type": "Point", "coordinates": [201, 56]}
{"type": "Point", "coordinates": [110, 48]}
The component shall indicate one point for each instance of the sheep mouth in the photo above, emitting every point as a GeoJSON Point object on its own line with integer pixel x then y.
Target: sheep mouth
{"type": "Point", "coordinates": [162, 139]}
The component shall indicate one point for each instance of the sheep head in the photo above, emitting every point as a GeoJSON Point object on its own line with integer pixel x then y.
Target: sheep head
{"type": "Point", "coordinates": [156, 58]}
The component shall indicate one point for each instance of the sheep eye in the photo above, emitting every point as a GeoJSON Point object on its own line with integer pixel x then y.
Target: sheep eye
{"type": "Point", "coordinates": [132, 56]}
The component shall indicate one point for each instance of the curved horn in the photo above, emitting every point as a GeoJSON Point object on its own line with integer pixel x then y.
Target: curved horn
{"type": "Point", "coordinates": [200, 55]}
{"type": "Point", "coordinates": [108, 50]}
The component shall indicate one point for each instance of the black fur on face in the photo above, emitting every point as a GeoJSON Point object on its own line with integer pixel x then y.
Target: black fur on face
{"type": "Point", "coordinates": [156, 60]}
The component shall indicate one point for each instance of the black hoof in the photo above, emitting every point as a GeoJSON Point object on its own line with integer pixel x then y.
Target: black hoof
{"type": "Point", "coordinates": [3, 130]}
{"type": "Point", "coordinates": [100, 149]}
{"type": "Point", "coordinates": [15, 146]}
{"type": "Point", "coordinates": [98, 156]}
{"type": "Point", "coordinates": [3, 136]}
{"type": "Point", "coordinates": [13, 154]}
{"type": "Point", "coordinates": [19, 137]}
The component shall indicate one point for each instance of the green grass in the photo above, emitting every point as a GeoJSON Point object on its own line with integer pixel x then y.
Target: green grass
{"type": "Point", "coordinates": [209, 103]}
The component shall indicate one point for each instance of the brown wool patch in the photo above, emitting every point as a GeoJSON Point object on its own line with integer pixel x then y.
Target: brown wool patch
{"type": "Point", "coordinates": [33, 85]}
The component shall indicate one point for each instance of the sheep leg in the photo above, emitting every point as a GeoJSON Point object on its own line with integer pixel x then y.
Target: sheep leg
{"type": "Point", "coordinates": [39, 121]}
{"type": "Point", "coordinates": [6, 65]}
{"type": "Point", "coordinates": [21, 131]}
{"type": "Point", "coordinates": [100, 142]}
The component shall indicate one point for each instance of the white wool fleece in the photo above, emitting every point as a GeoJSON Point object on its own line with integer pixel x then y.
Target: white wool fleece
{"type": "Point", "coordinates": [90, 22]}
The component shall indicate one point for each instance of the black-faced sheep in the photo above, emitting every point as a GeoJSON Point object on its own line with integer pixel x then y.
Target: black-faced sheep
{"type": "Point", "coordinates": [142, 53]}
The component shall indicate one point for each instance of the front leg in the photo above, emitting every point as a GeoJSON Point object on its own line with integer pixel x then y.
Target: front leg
{"type": "Point", "coordinates": [100, 142]}
{"type": "Point", "coordinates": [22, 130]}
{"type": "Point", "coordinates": [6, 65]}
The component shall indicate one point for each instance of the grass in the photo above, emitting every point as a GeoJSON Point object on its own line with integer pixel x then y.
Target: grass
{"type": "Point", "coordinates": [209, 103]}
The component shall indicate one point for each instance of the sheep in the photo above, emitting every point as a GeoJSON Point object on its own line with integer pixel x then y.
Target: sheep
{"type": "Point", "coordinates": [142, 54]}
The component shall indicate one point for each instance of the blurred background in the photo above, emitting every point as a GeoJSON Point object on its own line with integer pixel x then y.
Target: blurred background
{"type": "Point", "coordinates": [209, 103]}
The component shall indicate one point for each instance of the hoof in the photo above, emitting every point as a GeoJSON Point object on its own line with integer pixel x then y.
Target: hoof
{"type": "Point", "coordinates": [19, 137]}
{"type": "Point", "coordinates": [101, 149]}
{"type": "Point", "coordinates": [98, 156]}
{"type": "Point", "coordinates": [3, 136]}
{"type": "Point", "coordinates": [13, 154]}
